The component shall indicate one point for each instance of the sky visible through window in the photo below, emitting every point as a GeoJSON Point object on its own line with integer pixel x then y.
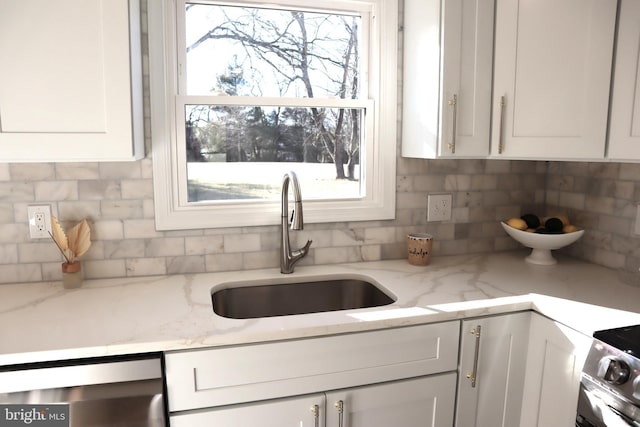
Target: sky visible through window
{"type": "Point", "coordinates": [220, 39]}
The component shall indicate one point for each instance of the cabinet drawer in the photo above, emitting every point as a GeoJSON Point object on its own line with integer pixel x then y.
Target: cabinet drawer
{"type": "Point", "coordinates": [222, 376]}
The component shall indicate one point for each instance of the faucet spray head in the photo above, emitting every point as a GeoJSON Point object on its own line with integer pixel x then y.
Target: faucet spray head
{"type": "Point", "coordinates": [297, 222]}
{"type": "Point", "coordinates": [296, 218]}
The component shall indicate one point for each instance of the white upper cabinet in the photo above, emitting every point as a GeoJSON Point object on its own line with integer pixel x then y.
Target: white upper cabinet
{"type": "Point", "coordinates": [624, 128]}
{"type": "Point", "coordinates": [447, 78]}
{"type": "Point", "coordinates": [70, 80]}
{"type": "Point", "coordinates": [467, 60]}
{"type": "Point", "coordinates": [552, 73]}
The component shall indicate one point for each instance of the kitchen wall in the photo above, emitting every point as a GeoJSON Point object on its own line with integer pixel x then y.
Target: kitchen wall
{"type": "Point", "coordinates": [117, 199]}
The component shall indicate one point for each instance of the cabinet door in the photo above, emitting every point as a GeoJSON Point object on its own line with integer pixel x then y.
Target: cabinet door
{"type": "Point", "coordinates": [448, 50]}
{"type": "Point", "coordinates": [303, 411]}
{"type": "Point", "coordinates": [70, 80]}
{"type": "Point", "coordinates": [467, 55]}
{"type": "Point", "coordinates": [552, 69]}
{"type": "Point", "coordinates": [421, 79]}
{"type": "Point", "coordinates": [624, 130]}
{"type": "Point", "coordinates": [421, 402]}
{"type": "Point", "coordinates": [556, 358]}
{"type": "Point", "coordinates": [494, 353]}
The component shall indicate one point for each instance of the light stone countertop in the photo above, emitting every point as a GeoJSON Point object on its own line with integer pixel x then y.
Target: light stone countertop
{"type": "Point", "coordinates": [44, 322]}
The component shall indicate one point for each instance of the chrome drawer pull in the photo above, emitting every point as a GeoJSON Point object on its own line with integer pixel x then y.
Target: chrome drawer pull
{"type": "Point", "coordinates": [453, 103]}
{"type": "Point", "coordinates": [473, 375]}
{"type": "Point", "coordinates": [503, 104]}
{"type": "Point", "coordinates": [340, 406]}
{"type": "Point", "coordinates": [315, 410]}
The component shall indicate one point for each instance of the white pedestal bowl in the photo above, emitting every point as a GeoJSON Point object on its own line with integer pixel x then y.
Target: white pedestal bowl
{"type": "Point", "coordinates": [542, 244]}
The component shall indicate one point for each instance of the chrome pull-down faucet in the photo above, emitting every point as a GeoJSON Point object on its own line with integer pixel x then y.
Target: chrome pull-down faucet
{"type": "Point", "coordinates": [288, 257]}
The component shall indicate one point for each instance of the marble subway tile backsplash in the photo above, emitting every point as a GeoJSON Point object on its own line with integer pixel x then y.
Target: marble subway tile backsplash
{"type": "Point", "coordinates": [117, 199]}
{"type": "Point", "coordinates": [603, 199]}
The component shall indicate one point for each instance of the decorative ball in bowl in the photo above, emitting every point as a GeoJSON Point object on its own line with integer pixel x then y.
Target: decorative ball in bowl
{"type": "Point", "coordinates": [542, 244]}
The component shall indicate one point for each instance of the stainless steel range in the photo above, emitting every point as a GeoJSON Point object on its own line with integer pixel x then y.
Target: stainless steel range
{"type": "Point", "coordinates": [610, 384]}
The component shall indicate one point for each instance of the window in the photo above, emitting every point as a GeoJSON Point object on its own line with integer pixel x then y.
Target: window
{"type": "Point", "coordinates": [243, 92]}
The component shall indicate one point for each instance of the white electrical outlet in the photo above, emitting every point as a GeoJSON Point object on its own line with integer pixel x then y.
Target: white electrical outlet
{"type": "Point", "coordinates": [439, 207]}
{"type": "Point", "coordinates": [39, 221]}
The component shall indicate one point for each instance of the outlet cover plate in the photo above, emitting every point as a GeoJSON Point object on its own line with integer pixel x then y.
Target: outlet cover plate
{"type": "Point", "coordinates": [39, 221]}
{"type": "Point", "coordinates": [439, 207]}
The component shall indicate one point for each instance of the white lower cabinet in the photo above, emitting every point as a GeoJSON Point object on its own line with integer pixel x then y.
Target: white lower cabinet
{"type": "Point", "coordinates": [493, 356]}
{"type": "Point", "coordinates": [300, 411]}
{"type": "Point", "coordinates": [555, 360]}
{"type": "Point", "coordinates": [526, 368]}
{"type": "Point", "coordinates": [403, 376]}
{"type": "Point", "coordinates": [419, 402]}
{"type": "Point", "coordinates": [519, 369]}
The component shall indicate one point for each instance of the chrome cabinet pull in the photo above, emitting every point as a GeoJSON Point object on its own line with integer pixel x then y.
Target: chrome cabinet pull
{"type": "Point", "coordinates": [453, 104]}
{"type": "Point", "coordinates": [503, 104]}
{"type": "Point", "coordinates": [473, 375]}
{"type": "Point", "coordinates": [315, 410]}
{"type": "Point", "coordinates": [340, 406]}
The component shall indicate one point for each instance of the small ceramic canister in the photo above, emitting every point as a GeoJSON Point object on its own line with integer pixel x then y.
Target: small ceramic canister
{"type": "Point", "coordinates": [72, 275]}
{"type": "Point", "coordinates": [419, 248]}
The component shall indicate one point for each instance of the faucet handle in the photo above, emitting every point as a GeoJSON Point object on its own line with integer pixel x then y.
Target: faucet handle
{"type": "Point", "coordinates": [306, 247]}
{"type": "Point", "coordinates": [303, 250]}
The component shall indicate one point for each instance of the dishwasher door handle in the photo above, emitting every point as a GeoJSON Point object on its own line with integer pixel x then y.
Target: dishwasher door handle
{"type": "Point", "coordinates": [79, 375]}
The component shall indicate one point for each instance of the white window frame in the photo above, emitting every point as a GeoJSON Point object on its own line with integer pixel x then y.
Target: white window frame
{"type": "Point", "coordinates": [173, 212]}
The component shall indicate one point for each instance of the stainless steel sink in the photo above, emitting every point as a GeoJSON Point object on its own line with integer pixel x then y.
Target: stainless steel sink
{"type": "Point", "coordinates": [249, 301]}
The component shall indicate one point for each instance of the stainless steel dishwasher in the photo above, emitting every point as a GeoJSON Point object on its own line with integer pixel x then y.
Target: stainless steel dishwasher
{"type": "Point", "coordinates": [122, 392]}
